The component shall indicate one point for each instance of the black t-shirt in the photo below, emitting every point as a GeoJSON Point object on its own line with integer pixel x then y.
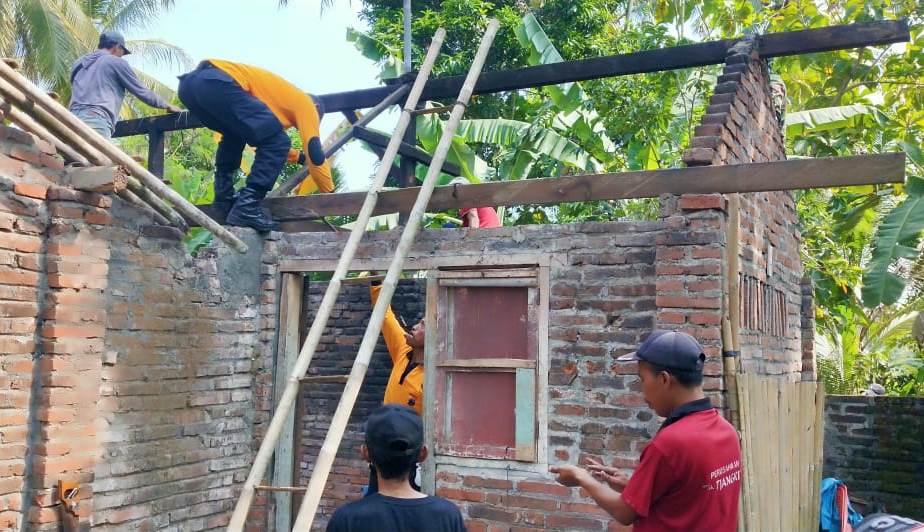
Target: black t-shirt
{"type": "Point", "coordinates": [382, 513]}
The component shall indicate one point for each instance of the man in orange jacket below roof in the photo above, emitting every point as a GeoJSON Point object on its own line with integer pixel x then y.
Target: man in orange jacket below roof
{"type": "Point", "coordinates": [249, 105]}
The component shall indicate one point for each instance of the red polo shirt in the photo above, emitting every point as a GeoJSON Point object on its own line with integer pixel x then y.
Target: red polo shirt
{"type": "Point", "coordinates": [689, 477]}
{"type": "Point", "coordinates": [487, 217]}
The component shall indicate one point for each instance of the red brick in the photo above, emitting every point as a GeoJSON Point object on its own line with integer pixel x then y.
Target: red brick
{"type": "Point", "coordinates": [23, 243]}
{"type": "Point", "coordinates": [27, 154]}
{"type": "Point", "coordinates": [18, 277]}
{"type": "Point", "coordinates": [583, 508]}
{"type": "Point", "coordinates": [563, 522]}
{"type": "Point", "coordinates": [460, 495]}
{"type": "Point", "coordinates": [493, 483]}
{"type": "Point", "coordinates": [702, 201]}
{"type": "Point", "coordinates": [98, 217]}
{"type": "Point", "coordinates": [519, 501]}
{"type": "Point", "coordinates": [705, 318]}
{"type": "Point", "coordinates": [30, 190]}
{"type": "Point", "coordinates": [707, 253]}
{"type": "Point", "coordinates": [542, 487]}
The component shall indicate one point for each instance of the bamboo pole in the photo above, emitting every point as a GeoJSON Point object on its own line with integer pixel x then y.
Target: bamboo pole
{"type": "Point", "coordinates": [338, 424]}
{"type": "Point", "coordinates": [77, 144]}
{"type": "Point", "coordinates": [300, 176]}
{"type": "Point", "coordinates": [289, 395]}
{"type": "Point", "coordinates": [730, 339]}
{"type": "Point", "coordinates": [27, 123]}
{"type": "Point", "coordinates": [96, 140]}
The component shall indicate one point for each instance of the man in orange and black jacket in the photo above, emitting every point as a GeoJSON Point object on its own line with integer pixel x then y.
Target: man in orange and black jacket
{"type": "Point", "coordinates": [249, 105]}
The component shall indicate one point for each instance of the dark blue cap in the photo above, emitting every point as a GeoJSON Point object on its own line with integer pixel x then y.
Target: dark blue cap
{"type": "Point", "coordinates": [110, 38]}
{"type": "Point", "coordinates": [394, 430]}
{"type": "Point", "coordinates": [671, 349]}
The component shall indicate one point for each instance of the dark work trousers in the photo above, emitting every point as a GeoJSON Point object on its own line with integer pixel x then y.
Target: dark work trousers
{"type": "Point", "coordinates": [222, 105]}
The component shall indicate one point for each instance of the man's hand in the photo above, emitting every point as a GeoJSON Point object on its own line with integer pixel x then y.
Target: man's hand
{"type": "Point", "coordinates": [569, 475]}
{"type": "Point", "coordinates": [609, 475]}
{"type": "Point", "coordinates": [173, 109]}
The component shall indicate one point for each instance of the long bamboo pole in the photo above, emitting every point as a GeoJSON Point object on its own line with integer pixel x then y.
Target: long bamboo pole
{"type": "Point", "coordinates": [730, 325]}
{"type": "Point", "coordinates": [97, 141]}
{"type": "Point", "coordinates": [287, 400]}
{"type": "Point", "coordinates": [338, 424]}
{"type": "Point", "coordinates": [78, 144]}
{"type": "Point", "coordinates": [300, 176]}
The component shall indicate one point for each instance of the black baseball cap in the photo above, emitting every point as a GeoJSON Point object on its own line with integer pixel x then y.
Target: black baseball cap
{"type": "Point", "coordinates": [394, 431]}
{"type": "Point", "coordinates": [671, 349]}
{"type": "Point", "coordinates": [110, 38]}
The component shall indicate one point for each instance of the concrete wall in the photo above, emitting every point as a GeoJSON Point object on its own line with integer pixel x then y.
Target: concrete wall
{"type": "Point", "coordinates": [876, 446]}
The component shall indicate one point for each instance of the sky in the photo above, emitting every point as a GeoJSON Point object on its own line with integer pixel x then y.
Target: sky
{"type": "Point", "coordinates": [297, 42]}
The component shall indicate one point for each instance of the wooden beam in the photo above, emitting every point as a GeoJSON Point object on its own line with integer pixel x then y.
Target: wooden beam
{"type": "Point", "coordinates": [406, 150]}
{"type": "Point", "coordinates": [677, 57]}
{"type": "Point", "coordinates": [755, 177]}
{"type": "Point", "coordinates": [156, 152]}
{"type": "Point", "coordinates": [98, 178]}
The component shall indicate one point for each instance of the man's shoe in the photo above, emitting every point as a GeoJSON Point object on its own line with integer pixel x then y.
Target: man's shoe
{"type": "Point", "coordinates": [220, 209]}
{"type": "Point", "coordinates": [247, 212]}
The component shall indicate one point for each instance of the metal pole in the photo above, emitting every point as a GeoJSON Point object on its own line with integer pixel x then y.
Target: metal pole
{"type": "Point", "coordinates": [331, 443]}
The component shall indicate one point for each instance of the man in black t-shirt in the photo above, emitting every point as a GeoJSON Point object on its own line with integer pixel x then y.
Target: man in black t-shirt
{"type": "Point", "coordinates": [394, 445]}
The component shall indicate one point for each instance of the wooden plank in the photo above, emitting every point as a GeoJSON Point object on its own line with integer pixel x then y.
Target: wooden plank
{"type": "Point", "coordinates": [487, 363]}
{"type": "Point", "coordinates": [431, 397]}
{"type": "Point", "coordinates": [525, 413]}
{"type": "Point", "coordinates": [677, 57]}
{"type": "Point", "coordinates": [156, 152]}
{"type": "Point", "coordinates": [746, 507]}
{"type": "Point", "coordinates": [285, 490]}
{"type": "Point", "coordinates": [754, 177]}
{"type": "Point", "coordinates": [290, 305]}
{"type": "Point", "coordinates": [406, 150]}
{"type": "Point", "coordinates": [819, 437]}
{"type": "Point", "coordinates": [324, 379]}
{"type": "Point", "coordinates": [488, 282]}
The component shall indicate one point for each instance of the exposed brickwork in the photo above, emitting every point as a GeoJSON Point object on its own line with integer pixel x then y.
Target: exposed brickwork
{"type": "Point", "coordinates": [741, 126]}
{"type": "Point", "coordinates": [127, 366]}
{"type": "Point", "coordinates": [873, 444]}
{"type": "Point", "coordinates": [318, 402]}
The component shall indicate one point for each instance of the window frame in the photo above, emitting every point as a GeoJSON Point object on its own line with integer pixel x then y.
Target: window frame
{"type": "Point", "coordinates": [531, 376]}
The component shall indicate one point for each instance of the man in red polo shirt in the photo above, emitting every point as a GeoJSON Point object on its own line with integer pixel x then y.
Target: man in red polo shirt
{"type": "Point", "coordinates": [477, 217]}
{"type": "Point", "coordinates": [689, 475]}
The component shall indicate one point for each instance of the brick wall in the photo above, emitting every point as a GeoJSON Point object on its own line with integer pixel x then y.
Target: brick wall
{"type": "Point", "coordinates": [318, 402]}
{"type": "Point", "coordinates": [874, 445]}
{"type": "Point", "coordinates": [127, 366]}
{"type": "Point", "coordinates": [741, 125]}
{"type": "Point", "coordinates": [601, 303]}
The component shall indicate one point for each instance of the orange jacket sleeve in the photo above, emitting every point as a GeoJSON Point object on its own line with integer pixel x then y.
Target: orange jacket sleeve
{"type": "Point", "coordinates": [391, 330]}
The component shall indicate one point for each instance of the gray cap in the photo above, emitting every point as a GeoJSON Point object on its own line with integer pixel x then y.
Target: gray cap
{"type": "Point", "coordinates": [670, 349]}
{"type": "Point", "coordinates": [110, 38]}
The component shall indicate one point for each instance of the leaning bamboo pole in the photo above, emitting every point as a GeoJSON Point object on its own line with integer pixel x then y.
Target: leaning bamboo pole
{"type": "Point", "coordinates": [731, 321]}
{"type": "Point", "coordinates": [78, 144]}
{"type": "Point", "coordinates": [331, 443]}
{"type": "Point", "coordinates": [300, 176]}
{"type": "Point", "coordinates": [149, 180]}
{"type": "Point", "coordinates": [287, 400]}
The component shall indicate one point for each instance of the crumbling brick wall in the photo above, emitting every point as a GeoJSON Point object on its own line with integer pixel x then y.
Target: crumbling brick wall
{"type": "Point", "coordinates": [742, 124]}
{"type": "Point", "coordinates": [874, 445]}
{"type": "Point", "coordinates": [127, 365]}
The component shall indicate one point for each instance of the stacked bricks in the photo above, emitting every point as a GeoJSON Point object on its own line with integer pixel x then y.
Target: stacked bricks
{"type": "Point", "coordinates": [23, 222]}
{"type": "Point", "coordinates": [741, 125]}
{"type": "Point", "coordinates": [873, 444]}
{"type": "Point", "coordinates": [334, 356]}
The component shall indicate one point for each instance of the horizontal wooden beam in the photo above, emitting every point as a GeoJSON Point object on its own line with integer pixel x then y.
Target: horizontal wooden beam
{"type": "Point", "coordinates": [755, 177]}
{"type": "Point", "coordinates": [677, 57]}
{"type": "Point", "coordinates": [406, 150]}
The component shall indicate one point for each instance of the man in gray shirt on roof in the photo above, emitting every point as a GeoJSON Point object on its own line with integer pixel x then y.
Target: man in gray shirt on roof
{"type": "Point", "coordinates": [99, 81]}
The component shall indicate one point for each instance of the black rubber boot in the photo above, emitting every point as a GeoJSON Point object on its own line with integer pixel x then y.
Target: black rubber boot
{"type": "Point", "coordinates": [247, 212]}
{"type": "Point", "coordinates": [224, 196]}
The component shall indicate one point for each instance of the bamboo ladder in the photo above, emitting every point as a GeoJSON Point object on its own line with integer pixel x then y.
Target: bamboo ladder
{"type": "Point", "coordinates": [348, 399]}
{"type": "Point", "coordinates": [290, 393]}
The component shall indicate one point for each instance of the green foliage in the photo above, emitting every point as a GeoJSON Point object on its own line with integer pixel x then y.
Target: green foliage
{"type": "Point", "coordinates": [49, 36]}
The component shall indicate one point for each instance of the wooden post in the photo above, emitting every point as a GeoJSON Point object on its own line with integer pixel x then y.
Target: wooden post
{"type": "Point", "coordinates": [286, 353]}
{"type": "Point", "coordinates": [290, 394]}
{"type": "Point", "coordinates": [156, 152]}
{"type": "Point", "coordinates": [79, 129]}
{"type": "Point", "coordinates": [331, 443]}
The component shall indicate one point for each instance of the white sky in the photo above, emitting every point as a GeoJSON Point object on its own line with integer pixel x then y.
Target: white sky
{"type": "Point", "coordinates": [297, 42]}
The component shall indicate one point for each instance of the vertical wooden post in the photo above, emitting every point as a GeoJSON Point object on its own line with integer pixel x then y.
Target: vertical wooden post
{"type": "Point", "coordinates": [290, 307]}
{"type": "Point", "coordinates": [156, 152]}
